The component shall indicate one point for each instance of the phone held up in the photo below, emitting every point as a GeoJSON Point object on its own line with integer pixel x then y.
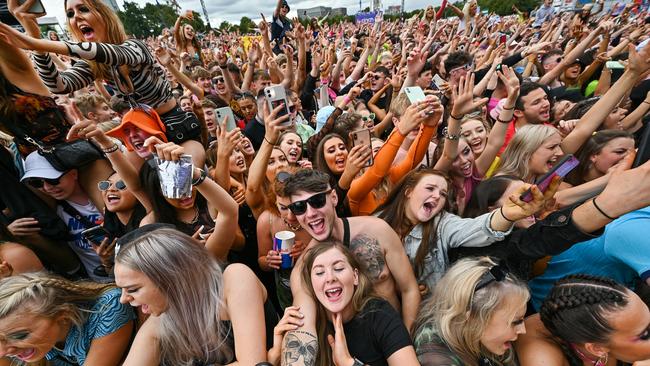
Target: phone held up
{"type": "Point", "coordinates": [561, 169]}
{"type": "Point", "coordinates": [363, 137]}
{"type": "Point", "coordinates": [276, 96]}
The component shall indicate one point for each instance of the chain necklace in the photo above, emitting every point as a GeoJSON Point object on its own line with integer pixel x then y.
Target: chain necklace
{"type": "Point", "coordinates": [293, 228]}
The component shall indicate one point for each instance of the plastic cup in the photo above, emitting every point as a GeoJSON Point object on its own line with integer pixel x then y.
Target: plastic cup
{"type": "Point", "coordinates": [282, 243]}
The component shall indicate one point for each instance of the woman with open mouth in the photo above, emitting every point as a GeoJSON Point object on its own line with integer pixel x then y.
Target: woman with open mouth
{"type": "Point", "coordinates": [185, 37]}
{"type": "Point", "coordinates": [355, 326]}
{"type": "Point", "coordinates": [475, 315]}
{"type": "Point", "coordinates": [419, 209]}
{"type": "Point", "coordinates": [457, 153]}
{"type": "Point", "coordinates": [47, 317]}
{"type": "Point", "coordinates": [291, 144]}
{"type": "Point", "coordinates": [106, 54]}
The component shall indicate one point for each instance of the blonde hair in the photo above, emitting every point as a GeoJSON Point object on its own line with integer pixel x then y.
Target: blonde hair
{"type": "Point", "coordinates": [115, 34]}
{"type": "Point", "coordinates": [192, 281]}
{"type": "Point", "coordinates": [88, 103]}
{"type": "Point", "coordinates": [48, 296]}
{"type": "Point", "coordinates": [460, 315]}
{"type": "Point", "coordinates": [516, 157]}
{"type": "Point", "coordinates": [399, 104]}
{"type": "Point", "coordinates": [363, 293]}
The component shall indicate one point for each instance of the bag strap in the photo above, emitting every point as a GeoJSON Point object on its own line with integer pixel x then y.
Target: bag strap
{"type": "Point", "coordinates": [74, 213]}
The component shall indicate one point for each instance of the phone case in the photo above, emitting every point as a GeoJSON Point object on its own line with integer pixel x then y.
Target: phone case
{"type": "Point", "coordinates": [276, 96]}
{"type": "Point", "coordinates": [363, 137]}
{"type": "Point", "coordinates": [414, 94]}
{"type": "Point", "coordinates": [562, 168]}
{"type": "Point", "coordinates": [221, 115]}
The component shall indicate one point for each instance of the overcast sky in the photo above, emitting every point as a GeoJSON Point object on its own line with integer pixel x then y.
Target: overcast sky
{"type": "Point", "coordinates": [233, 10]}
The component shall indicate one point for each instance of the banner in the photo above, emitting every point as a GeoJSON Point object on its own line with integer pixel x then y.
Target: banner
{"type": "Point", "coordinates": [365, 17]}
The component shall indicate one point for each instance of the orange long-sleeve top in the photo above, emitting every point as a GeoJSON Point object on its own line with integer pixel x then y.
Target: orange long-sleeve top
{"type": "Point", "coordinates": [361, 196]}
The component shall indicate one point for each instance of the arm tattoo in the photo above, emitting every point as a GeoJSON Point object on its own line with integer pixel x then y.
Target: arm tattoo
{"type": "Point", "coordinates": [368, 251]}
{"type": "Point", "coordinates": [299, 344]}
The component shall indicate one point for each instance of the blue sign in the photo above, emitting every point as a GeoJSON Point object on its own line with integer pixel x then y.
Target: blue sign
{"type": "Point", "coordinates": [366, 17]}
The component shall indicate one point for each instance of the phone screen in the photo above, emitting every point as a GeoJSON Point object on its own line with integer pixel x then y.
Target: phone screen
{"type": "Point", "coordinates": [562, 168]}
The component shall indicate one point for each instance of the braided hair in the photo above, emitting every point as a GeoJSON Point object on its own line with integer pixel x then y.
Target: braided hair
{"type": "Point", "coordinates": [48, 295]}
{"type": "Point", "coordinates": [578, 308]}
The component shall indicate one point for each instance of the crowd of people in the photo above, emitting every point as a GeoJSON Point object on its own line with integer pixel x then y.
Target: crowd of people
{"type": "Point", "coordinates": [382, 193]}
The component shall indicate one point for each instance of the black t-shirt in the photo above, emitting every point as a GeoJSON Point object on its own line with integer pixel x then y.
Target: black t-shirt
{"type": "Point", "coordinates": [376, 333]}
{"type": "Point", "coordinates": [255, 132]}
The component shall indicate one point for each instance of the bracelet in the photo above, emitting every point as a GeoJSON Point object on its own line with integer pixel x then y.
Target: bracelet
{"type": "Point", "coordinates": [601, 210]}
{"type": "Point", "coordinates": [268, 142]}
{"type": "Point", "coordinates": [452, 137]}
{"type": "Point", "coordinates": [508, 109]}
{"type": "Point", "coordinates": [644, 102]}
{"type": "Point", "coordinates": [111, 149]}
{"type": "Point", "coordinates": [504, 216]}
{"type": "Point", "coordinates": [200, 179]}
{"type": "Point", "coordinates": [502, 121]}
{"type": "Point", "coordinates": [456, 118]}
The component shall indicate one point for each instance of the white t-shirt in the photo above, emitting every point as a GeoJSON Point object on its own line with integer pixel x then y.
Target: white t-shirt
{"type": "Point", "coordinates": [79, 245]}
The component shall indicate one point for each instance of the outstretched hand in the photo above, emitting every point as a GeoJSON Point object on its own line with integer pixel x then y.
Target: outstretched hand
{"type": "Point", "coordinates": [516, 209]}
{"type": "Point", "coordinates": [463, 97]}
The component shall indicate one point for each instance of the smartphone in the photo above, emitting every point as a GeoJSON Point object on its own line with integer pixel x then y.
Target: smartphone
{"type": "Point", "coordinates": [438, 81]}
{"type": "Point", "coordinates": [502, 39]}
{"type": "Point", "coordinates": [414, 93]}
{"type": "Point", "coordinates": [363, 137]}
{"type": "Point", "coordinates": [276, 96]}
{"type": "Point", "coordinates": [37, 8]}
{"type": "Point", "coordinates": [643, 152]}
{"type": "Point", "coordinates": [614, 65]}
{"type": "Point", "coordinates": [224, 112]}
{"type": "Point", "coordinates": [561, 168]}
{"type": "Point", "coordinates": [95, 234]}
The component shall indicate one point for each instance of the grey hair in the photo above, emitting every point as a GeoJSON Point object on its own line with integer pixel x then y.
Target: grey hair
{"type": "Point", "coordinates": [515, 159]}
{"type": "Point", "coordinates": [192, 281]}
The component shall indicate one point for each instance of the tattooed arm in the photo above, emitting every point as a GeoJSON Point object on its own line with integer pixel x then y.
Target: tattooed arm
{"type": "Point", "coordinates": [300, 346]}
{"type": "Point", "coordinates": [399, 265]}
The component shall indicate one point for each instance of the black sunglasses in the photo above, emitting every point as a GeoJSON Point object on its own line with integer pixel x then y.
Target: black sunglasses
{"type": "Point", "coordinates": [105, 185]}
{"type": "Point", "coordinates": [497, 273]}
{"type": "Point", "coordinates": [316, 201]}
{"type": "Point", "coordinates": [40, 182]}
{"type": "Point", "coordinates": [218, 80]}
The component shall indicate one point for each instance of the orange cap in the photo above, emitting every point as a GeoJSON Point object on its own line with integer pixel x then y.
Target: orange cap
{"type": "Point", "coordinates": [148, 122]}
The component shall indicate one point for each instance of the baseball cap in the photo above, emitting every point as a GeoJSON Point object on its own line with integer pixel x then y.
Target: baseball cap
{"type": "Point", "coordinates": [36, 166]}
{"type": "Point", "coordinates": [322, 116]}
{"type": "Point", "coordinates": [144, 119]}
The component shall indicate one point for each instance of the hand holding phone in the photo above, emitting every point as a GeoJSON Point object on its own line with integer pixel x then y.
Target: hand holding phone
{"type": "Point", "coordinates": [36, 8]}
{"type": "Point", "coordinates": [561, 169]}
{"type": "Point", "coordinates": [95, 235]}
{"type": "Point", "coordinates": [364, 138]}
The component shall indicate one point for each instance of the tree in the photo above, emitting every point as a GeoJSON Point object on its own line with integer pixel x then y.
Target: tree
{"type": "Point", "coordinates": [246, 25]}
{"type": "Point", "coordinates": [504, 7]}
{"type": "Point", "coordinates": [225, 26]}
{"type": "Point", "coordinates": [150, 20]}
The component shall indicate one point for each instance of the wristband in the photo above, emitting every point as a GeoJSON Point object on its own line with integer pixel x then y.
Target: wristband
{"type": "Point", "coordinates": [601, 210]}
{"type": "Point", "coordinates": [456, 118]}
{"type": "Point", "coordinates": [504, 216]}
{"type": "Point", "coordinates": [268, 142]}
{"type": "Point", "coordinates": [111, 149]}
{"type": "Point", "coordinates": [200, 179]}
{"type": "Point", "coordinates": [507, 109]}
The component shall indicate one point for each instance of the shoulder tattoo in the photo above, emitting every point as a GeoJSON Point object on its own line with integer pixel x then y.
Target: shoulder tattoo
{"type": "Point", "coordinates": [368, 251]}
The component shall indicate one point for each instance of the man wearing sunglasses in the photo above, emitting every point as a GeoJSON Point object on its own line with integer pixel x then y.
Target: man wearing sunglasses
{"type": "Point", "coordinates": [74, 207]}
{"type": "Point", "coordinates": [370, 239]}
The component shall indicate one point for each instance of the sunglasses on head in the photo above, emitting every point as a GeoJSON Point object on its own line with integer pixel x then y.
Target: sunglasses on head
{"type": "Point", "coordinates": [105, 185]}
{"type": "Point", "coordinates": [497, 273]}
{"type": "Point", "coordinates": [40, 182]}
{"type": "Point", "coordinates": [316, 201]}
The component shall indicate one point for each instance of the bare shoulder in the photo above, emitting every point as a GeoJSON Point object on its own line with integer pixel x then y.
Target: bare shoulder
{"type": "Point", "coordinates": [235, 273]}
{"type": "Point", "coordinates": [369, 225]}
{"type": "Point", "coordinates": [536, 348]}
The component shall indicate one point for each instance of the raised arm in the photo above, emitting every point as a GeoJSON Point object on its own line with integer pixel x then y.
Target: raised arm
{"type": "Point", "coordinates": [165, 59]}
{"type": "Point", "coordinates": [639, 63]}
{"type": "Point", "coordinates": [227, 142]}
{"type": "Point", "coordinates": [222, 59]}
{"type": "Point", "coordinates": [498, 133]}
{"type": "Point", "coordinates": [257, 170]}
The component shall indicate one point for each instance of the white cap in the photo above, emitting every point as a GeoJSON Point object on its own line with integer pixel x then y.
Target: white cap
{"type": "Point", "coordinates": [36, 166]}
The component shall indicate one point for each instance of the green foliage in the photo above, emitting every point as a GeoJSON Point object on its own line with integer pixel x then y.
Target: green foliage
{"type": "Point", "coordinates": [504, 7]}
{"type": "Point", "coordinates": [246, 25]}
{"type": "Point", "coordinates": [150, 20]}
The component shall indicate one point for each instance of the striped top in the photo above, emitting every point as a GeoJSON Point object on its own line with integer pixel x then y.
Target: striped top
{"type": "Point", "coordinates": [105, 317]}
{"type": "Point", "coordinates": [148, 77]}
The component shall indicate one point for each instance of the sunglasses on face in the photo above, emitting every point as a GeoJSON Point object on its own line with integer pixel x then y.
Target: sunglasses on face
{"type": "Point", "coordinates": [377, 77]}
{"type": "Point", "coordinates": [218, 80]}
{"type": "Point", "coordinates": [370, 117]}
{"type": "Point", "coordinates": [316, 201]}
{"type": "Point", "coordinates": [105, 185]}
{"type": "Point", "coordinates": [40, 182]}
{"type": "Point", "coordinates": [466, 67]}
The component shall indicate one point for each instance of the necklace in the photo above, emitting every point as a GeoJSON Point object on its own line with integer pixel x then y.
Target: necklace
{"type": "Point", "coordinates": [293, 228]}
